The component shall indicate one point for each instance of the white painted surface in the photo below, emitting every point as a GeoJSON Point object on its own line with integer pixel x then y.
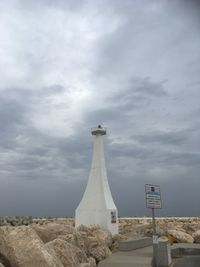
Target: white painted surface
{"type": "Point", "coordinates": [97, 205]}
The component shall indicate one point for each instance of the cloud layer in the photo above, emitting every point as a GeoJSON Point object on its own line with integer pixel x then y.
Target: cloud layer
{"type": "Point", "coordinates": [67, 66]}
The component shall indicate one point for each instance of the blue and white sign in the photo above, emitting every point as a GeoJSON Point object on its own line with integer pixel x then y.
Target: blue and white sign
{"type": "Point", "coordinates": [153, 196]}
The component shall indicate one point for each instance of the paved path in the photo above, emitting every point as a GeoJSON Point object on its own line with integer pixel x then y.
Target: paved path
{"type": "Point", "coordinates": [136, 258]}
{"type": "Point", "coordinates": [189, 261]}
{"type": "Point", "coordinates": [142, 258]}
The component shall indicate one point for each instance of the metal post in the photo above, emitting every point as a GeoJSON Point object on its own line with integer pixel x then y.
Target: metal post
{"type": "Point", "coordinates": [155, 241]}
{"type": "Point", "coordinates": [154, 223]}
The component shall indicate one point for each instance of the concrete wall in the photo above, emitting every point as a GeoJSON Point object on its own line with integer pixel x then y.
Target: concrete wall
{"type": "Point", "coordinates": [128, 245]}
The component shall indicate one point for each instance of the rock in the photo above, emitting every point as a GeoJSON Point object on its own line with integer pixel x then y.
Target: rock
{"type": "Point", "coordinates": [104, 236]}
{"type": "Point", "coordinates": [92, 262]}
{"type": "Point", "coordinates": [181, 236]}
{"type": "Point", "coordinates": [81, 240]}
{"type": "Point", "coordinates": [25, 222]}
{"type": "Point", "coordinates": [4, 261]}
{"type": "Point", "coordinates": [161, 231]}
{"type": "Point", "coordinates": [115, 242]}
{"type": "Point", "coordinates": [89, 263]}
{"type": "Point", "coordinates": [22, 246]}
{"type": "Point", "coordinates": [50, 231]}
{"type": "Point", "coordinates": [93, 242]}
{"type": "Point", "coordinates": [99, 252]}
{"type": "Point", "coordinates": [98, 241]}
{"type": "Point", "coordinates": [135, 229]}
{"type": "Point", "coordinates": [196, 236]}
{"type": "Point", "coordinates": [69, 255]}
{"type": "Point", "coordinates": [88, 229]}
{"type": "Point", "coordinates": [191, 228]}
{"type": "Point", "coordinates": [82, 228]}
{"type": "Point", "coordinates": [78, 239]}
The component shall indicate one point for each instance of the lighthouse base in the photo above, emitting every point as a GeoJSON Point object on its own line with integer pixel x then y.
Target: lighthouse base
{"type": "Point", "coordinates": [106, 219]}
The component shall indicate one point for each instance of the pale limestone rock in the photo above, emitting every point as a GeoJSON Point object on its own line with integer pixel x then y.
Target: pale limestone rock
{"type": "Point", "coordinates": [196, 236]}
{"type": "Point", "coordinates": [115, 242]}
{"type": "Point", "coordinates": [100, 252]}
{"type": "Point", "coordinates": [92, 262]}
{"type": "Point", "coordinates": [191, 228]}
{"type": "Point", "coordinates": [69, 255]}
{"type": "Point", "coordinates": [181, 237]}
{"type": "Point", "coordinates": [22, 246]}
{"type": "Point", "coordinates": [93, 242]}
{"type": "Point", "coordinates": [138, 227]}
{"type": "Point", "coordinates": [143, 229]}
{"type": "Point", "coordinates": [161, 230]}
{"type": "Point", "coordinates": [4, 261]}
{"type": "Point", "coordinates": [104, 236]}
{"type": "Point", "coordinates": [88, 229]}
{"type": "Point", "coordinates": [91, 245]}
{"type": "Point", "coordinates": [79, 239]}
{"type": "Point", "coordinates": [135, 229]}
{"type": "Point", "coordinates": [97, 241]}
{"type": "Point", "coordinates": [50, 231]}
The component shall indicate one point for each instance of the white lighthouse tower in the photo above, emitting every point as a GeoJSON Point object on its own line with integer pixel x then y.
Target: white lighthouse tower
{"type": "Point", "coordinates": [97, 205]}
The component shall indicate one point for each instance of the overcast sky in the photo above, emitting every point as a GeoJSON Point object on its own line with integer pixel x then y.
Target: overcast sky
{"type": "Point", "coordinates": [68, 65]}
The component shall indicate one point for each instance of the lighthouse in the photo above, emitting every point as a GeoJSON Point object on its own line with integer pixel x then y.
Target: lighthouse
{"type": "Point", "coordinates": [97, 205]}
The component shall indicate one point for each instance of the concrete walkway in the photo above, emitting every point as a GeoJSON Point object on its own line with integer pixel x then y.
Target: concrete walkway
{"type": "Point", "coordinates": [136, 258]}
{"type": "Point", "coordinates": [189, 261]}
{"type": "Point", "coordinates": [185, 255]}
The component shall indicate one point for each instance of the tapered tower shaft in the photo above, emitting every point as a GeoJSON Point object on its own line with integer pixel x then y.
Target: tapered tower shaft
{"type": "Point", "coordinates": [97, 205]}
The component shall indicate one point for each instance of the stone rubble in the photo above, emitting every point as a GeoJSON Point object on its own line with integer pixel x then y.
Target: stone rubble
{"type": "Point", "coordinates": [54, 242]}
{"type": "Point", "coordinates": [196, 236]}
{"type": "Point", "coordinates": [181, 236]}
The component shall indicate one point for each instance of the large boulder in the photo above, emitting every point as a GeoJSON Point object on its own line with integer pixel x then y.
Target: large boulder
{"type": "Point", "coordinates": [191, 228]}
{"type": "Point", "coordinates": [100, 252]}
{"type": "Point", "coordinates": [196, 236]}
{"type": "Point", "coordinates": [78, 239]}
{"type": "Point", "coordinates": [4, 261]}
{"type": "Point", "coordinates": [22, 246]}
{"type": "Point", "coordinates": [98, 241]}
{"type": "Point", "coordinates": [104, 236]}
{"type": "Point", "coordinates": [89, 229]}
{"type": "Point", "coordinates": [50, 231]}
{"type": "Point", "coordinates": [97, 249]}
{"type": "Point", "coordinates": [92, 262]}
{"type": "Point", "coordinates": [181, 236]}
{"type": "Point", "coordinates": [69, 255]}
{"type": "Point", "coordinates": [115, 241]}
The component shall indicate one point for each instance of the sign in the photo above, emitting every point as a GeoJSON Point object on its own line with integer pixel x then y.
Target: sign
{"type": "Point", "coordinates": [113, 217]}
{"type": "Point", "coordinates": [153, 197]}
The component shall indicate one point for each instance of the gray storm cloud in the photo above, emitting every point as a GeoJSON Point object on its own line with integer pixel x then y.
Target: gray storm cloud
{"type": "Point", "coordinates": [67, 66]}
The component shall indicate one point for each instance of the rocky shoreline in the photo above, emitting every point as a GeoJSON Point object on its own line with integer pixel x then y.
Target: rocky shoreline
{"type": "Point", "coordinates": [27, 220]}
{"type": "Point", "coordinates": [27, 241]}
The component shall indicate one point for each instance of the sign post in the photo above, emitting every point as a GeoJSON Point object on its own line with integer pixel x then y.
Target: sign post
{"type": "Point", "coordinates": [153, 201]}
